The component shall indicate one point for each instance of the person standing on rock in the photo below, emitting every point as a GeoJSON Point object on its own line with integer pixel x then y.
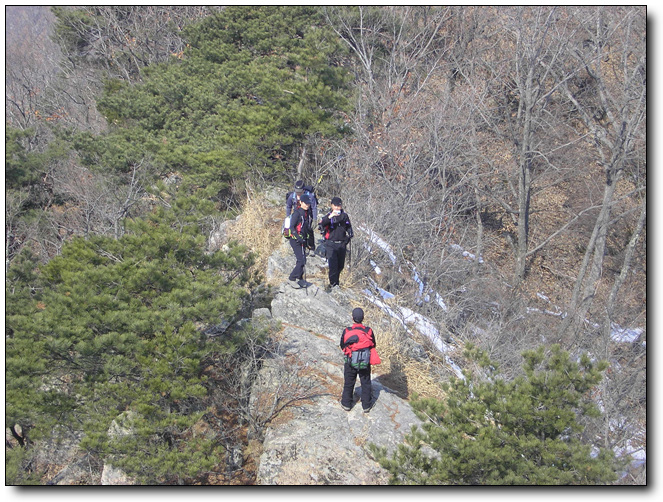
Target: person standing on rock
{"type": "Point", "coordinates": [336, 232]}
{"type": "Point", "coordinates": [356, 343]}
{"type": "Point", "coordinates": [300, 228]}
{"type": "Point", "coordinates": [292, 202]}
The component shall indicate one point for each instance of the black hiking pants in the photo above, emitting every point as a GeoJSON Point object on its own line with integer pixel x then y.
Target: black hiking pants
{"type": "Point", "coordinates": [350, 377]}
{"type": "Point", "coordinates": [300, 256]}
{"type": "Point", "coordinates": [336, 260]}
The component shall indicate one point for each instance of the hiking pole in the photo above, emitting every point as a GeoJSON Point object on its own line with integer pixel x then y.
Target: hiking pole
{"type": "Point", "coordinates": [305, 283]}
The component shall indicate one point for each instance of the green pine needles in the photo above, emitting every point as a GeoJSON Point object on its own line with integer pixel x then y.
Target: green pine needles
{"type": "Point", "coordinates": [523, 432]}
{"type": "Point", "coordinates": [253, 84]}
{"type": "Point", "coordinates": [111, 327]}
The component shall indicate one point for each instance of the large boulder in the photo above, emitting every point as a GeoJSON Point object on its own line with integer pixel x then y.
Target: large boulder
{"type": "Point", "coordinates": [112, 476]}
{"type": "Point", "coordinates": [313, 309]}
{"type": "Point", "coordinates": [321, 443]}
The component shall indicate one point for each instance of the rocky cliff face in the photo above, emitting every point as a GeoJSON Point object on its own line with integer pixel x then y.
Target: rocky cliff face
{"type": "Point", "coordinates": [313, 440]}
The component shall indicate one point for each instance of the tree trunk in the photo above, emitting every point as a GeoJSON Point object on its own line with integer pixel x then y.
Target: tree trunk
{"type": "Point", "coordinates": [524, 196]}
{"type": "Point", "coordinates": [626, 266]}
{"type": "Point", "coordinates": [479, 248]}
{"type": "Point", "coordinates": [300, 167]}
{"type": "Point", "coordinates": [525, 178]}
{"type": "Point", "coordinates": [589, 275]}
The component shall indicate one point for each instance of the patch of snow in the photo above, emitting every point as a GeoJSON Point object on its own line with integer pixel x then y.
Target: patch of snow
{"type": "Point", "coordinates": [424, 326]}
{"type": "Point", "coordinates": [385, 294]}
{"type": "Point", "coordinates": [624, 335]}
{"type": "Point", "coordinates": [547, 312]}
{"type": "Point", "coordinates": [421, 323]}
{"type": "Point", "coordinates": [440, 302]}
{"type": "Point", "coordinates": [465, 254]}
{"type": "Point", "coordinates": [375, 267]}
{"type": "Point", "coordinates": [617, 333]}
{"type": "Point", "coordinates": [375, 239]}
{"type": "Point", "coordinates": [543, 297]}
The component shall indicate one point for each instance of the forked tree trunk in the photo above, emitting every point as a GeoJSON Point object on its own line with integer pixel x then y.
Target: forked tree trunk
{"type": "Point", "coordinates": [591, 267]}
{"type": "Point", "coordinates": [626, 267]}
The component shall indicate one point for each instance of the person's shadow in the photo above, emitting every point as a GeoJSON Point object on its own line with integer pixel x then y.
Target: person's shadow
{"type": "Point", "coordinates": [395, 381]}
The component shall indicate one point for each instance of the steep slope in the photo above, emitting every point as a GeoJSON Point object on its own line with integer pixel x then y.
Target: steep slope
{"type": "Point", "coordinates": [313, 440]}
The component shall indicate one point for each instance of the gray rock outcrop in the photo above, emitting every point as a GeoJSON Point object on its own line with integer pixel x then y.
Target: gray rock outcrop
{"type": "Point", "coordinates": [311, 440]}
{"type": "Point", "coordinates": [120, 427]}
{"type": "Point", "coordinates": [112, 476]}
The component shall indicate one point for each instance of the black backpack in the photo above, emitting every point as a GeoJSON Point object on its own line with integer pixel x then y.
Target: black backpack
{"type": "Point", "coordinates": [360, 359]}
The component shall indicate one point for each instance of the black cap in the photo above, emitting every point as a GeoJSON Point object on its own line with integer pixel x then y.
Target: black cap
{"type": "Point", "coordinates": [357, 315]}
{"type": "Point", "coordinates": [336, 201]}
{"type": "Point", "coordinates": [299, 186]}
{"type": "Point", "coordinates": [305, 199]}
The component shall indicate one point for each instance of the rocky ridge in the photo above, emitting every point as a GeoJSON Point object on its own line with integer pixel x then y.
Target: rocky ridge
{"type": "Point", "coordinates": [313, 441]}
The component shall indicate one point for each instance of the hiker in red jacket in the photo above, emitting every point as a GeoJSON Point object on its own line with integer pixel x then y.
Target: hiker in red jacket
{"type": "Point", "coordinates": [356, 343]}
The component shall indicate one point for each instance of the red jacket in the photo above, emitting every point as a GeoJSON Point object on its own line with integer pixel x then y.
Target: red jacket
{"type": "Point", "coordinates": [356, 337]}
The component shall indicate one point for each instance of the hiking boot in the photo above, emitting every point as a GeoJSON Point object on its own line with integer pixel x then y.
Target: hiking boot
{"type": "Point", "coordinates": [294, 284]}
{"type": "Point", "coordinates": [302, 283]}
{"type": "Point", "coordinates": [346, 408]}
{"type": "Point", "coordinates": [366, 410]}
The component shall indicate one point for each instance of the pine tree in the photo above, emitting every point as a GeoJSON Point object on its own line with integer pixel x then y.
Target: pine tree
{"type": "Point", "coordinates": [493, 432]}
{"type": "Point", "coordinates": [113, 325]}
{"type": "Point", "coordinates": [252, 85]}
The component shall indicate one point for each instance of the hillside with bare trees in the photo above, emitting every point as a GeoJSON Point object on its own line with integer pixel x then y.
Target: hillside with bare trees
{"type": "Point", "coordinates": [493, 161]}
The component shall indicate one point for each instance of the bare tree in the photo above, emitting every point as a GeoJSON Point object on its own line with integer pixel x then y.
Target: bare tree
{"type": "Point", "coordinates": [123, 39]}
{"type": "Point", "coordinates": [95, 203]}
{"type": "Point", "coordinates": [261, 381]}
{"type": "Point", "coordinates": [518, 85]}
{"type": "Point", "coordinates": [59, 80]}
{"type": "Point", "coordinates": [610, 99]}
{"type": "Point", "coordinates": [14, 202]}
{"type": "Point", "coordinates": [28, 76]}
{"type": "Point", "coordinates": [625, 269]}
{"type": "Point", "coordinates": [399, 49]}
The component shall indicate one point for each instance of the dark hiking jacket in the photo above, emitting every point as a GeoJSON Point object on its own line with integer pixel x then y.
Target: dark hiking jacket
{"type": "Point", "coordinates": [291, 203]}
{"type": "Point", "coordinates": [300, 224]}
{"type": "Point", "coordinates": [336, 228]}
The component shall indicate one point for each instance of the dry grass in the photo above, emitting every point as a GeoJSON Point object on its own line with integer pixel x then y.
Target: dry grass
{"type": "Point", "coordinates": [258, 228]}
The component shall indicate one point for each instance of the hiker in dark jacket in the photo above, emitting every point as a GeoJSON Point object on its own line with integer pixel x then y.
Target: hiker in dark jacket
{"type": "Point", "coordinates": [337, 232]}
{"type": "Point", "coordinates": [300, 228]}
{"type": "Point", "coordinates": [292, 202]}
{"type": "Point", "coordinates": [354, 338]}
